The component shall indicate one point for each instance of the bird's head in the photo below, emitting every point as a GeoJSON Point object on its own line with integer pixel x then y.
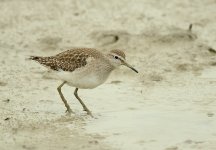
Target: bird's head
{"type": "Point", "coordinates": [117, 58]}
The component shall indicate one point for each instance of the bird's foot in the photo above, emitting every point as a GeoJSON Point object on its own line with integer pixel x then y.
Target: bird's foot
{"type": "Point", "coordinates": [88, 112]}
{"type": "Point", "coordinates": [69, 111]}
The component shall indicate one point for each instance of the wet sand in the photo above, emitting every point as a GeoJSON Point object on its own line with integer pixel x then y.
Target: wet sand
{"type": "Point", "coordinates": [169, 105]}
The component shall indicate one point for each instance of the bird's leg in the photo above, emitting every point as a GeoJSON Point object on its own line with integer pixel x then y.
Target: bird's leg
{"type": "Point", "coordinates": [81, 102]}
{"type": "Point", "coordinates": [63, 99]}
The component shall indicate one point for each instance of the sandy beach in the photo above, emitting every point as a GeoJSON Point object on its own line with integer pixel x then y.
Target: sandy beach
{"type": "Point", "coordinates": [169, 105]}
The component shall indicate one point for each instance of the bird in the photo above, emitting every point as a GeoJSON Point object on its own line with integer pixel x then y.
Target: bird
{"type": "Point", "coordinates": [82, 68]}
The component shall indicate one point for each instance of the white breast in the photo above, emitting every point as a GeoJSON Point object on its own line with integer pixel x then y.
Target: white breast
{"type": "Point", "coordinates": [87, 77]}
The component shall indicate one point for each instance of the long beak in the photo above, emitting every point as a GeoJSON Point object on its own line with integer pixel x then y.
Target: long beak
{"type": "Point", "coordinates": [129, 66]}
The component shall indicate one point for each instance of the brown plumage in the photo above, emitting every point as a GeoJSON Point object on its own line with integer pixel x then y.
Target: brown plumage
{"type": "Point", "coordinates": [68, 60]}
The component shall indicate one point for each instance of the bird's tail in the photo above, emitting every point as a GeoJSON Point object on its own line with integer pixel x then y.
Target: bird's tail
{"type": "Point", "coordinates": [45, 61]}
{"type": "Point", "coordinates": [34, 58]}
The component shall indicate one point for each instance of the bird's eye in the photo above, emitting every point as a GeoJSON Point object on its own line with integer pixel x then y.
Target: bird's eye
{"type": "Point", "coordinates": [116, 57]}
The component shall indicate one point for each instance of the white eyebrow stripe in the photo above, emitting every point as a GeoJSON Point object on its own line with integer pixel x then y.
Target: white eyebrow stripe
{"type": "Point", "coordinates": [114, 54]}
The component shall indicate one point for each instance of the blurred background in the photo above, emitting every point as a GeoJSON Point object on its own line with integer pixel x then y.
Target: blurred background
{"type": "Point", "coordinates": [169, 105]}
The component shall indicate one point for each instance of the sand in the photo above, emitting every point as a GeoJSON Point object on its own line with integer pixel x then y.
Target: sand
{"type": "Point", "coordinates": [169, 105]}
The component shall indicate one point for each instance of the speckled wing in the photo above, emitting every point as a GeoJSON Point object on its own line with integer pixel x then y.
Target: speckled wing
{"type": "Point", "coordinates": [68, 60]}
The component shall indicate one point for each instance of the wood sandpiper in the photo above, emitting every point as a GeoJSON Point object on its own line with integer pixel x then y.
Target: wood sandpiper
{"type": "Point", "coordinates": [83, 68]}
